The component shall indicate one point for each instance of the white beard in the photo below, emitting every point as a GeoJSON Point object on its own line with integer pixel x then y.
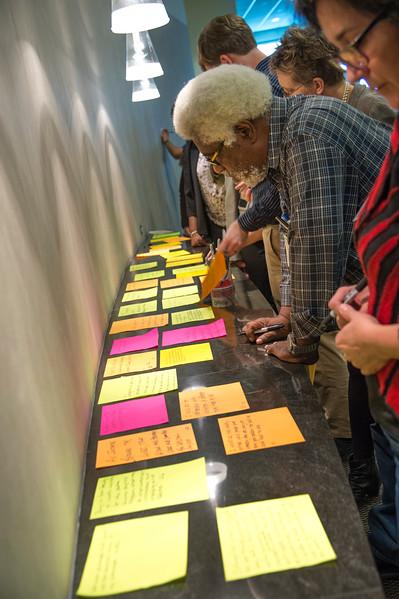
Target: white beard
{"type": "Point", "coordinates": [252, 176]}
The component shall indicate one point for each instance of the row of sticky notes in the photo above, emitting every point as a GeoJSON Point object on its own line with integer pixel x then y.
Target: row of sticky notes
{"type": "Point", "coordinates": [256, 538]}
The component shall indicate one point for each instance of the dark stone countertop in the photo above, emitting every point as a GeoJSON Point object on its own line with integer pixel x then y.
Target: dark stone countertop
{"type": "Point", "coordinates": [312, 467]}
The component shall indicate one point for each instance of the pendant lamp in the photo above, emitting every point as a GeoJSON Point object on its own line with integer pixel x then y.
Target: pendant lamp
{"type": "Point", "coordinates": [143, 90]}
{"type": "Point", "coordinates": [137, 15]}
{"type": "Point", "coordinates": [141, 59]}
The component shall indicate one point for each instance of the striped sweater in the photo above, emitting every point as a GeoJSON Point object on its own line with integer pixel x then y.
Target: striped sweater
{"type": "Point", "coordinates": [377, 241]}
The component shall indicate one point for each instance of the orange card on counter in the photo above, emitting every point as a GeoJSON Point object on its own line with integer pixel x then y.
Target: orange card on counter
{"type": "Point", "coordinates": [259, 430]}
{"type": "Point", "coordinates": [216, 272]}
{"type": "Point", "coordinates": [139, 323]}
{"type": "Point", "coordinates": [147, 445]}
{"type": "Point", "coordinates": [137, 285]}
{"type": "Point", "coordinates": [208, 401]}
{"type": "Point", "coordinates": [169, 283]}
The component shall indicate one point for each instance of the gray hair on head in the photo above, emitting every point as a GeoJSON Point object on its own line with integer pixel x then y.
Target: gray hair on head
{"type": "Point", "coordinates": [209, 107]}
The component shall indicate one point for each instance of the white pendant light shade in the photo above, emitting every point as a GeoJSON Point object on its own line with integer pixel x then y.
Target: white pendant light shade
{"type": "Point", "coordinates": [141, 59]}
{"type": "Point", "coordinates": [137, 15]}
{"type": "Point", "coordinates": [143, 90]}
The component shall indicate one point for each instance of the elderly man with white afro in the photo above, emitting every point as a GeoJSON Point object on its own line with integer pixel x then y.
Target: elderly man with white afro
{"type": "Point", "coordinates": [209, 107]}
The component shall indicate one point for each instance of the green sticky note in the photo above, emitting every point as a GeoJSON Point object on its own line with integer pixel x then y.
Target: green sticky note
{"type": "Point", "coordinates": [179, 291]}
{"type": "Point", "coordinates": [141, 308]}
{"type": "Point", "coordinates": [132, 296]}
{"type": "Point", "coordinates": [271, 536]}
{"type": "Point", "coordinates": [192, 315]}
{"type": "Point", "coordinates": [154, 274]}
{"type": "Point", "coordinates": [185, 300]}
{"type": "Point", "coordinates": [144, 266]}
{"type": "Point", "coordinates": [135, 554]}
{"type": "Point", "coordinates": [138, 385]}
{"type": "Point", "coordinates": [150, 488]}
{"type": "Point", "coordinates": [158, 236]}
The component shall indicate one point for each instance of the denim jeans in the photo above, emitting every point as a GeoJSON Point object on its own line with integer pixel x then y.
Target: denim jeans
{"type": "Point", "coordinates": [384, 518]}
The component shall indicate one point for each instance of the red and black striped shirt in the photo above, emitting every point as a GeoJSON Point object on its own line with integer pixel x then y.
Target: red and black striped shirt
{"type": "Point", "coordinates": [377, 241]}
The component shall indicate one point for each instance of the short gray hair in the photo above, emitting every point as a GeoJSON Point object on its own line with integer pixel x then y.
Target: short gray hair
{"type": "Point", "coordinates": [213, 103]}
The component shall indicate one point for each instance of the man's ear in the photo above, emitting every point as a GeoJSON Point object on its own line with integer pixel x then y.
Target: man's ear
{"type": "Point", "coordinates": [319, 86]}
{"type": "Point", "coordinates": [246, 130]}
{"type": "Point", "coordinates": [225, 59]}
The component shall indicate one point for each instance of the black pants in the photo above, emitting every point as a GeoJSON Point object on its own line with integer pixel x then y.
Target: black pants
{"type": "Point", "coordinates": [359, 414]}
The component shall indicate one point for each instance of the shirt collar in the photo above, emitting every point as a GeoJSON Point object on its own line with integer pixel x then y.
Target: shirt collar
{"type": "Point", "coordinates": [277, 122]}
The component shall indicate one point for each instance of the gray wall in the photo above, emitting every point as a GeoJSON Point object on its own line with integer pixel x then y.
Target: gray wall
{"type": "Point", "coordinates": [81, 172]}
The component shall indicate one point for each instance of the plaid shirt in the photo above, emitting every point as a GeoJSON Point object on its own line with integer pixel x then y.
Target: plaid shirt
{"type": "Point", "coordinates": [323, 157]}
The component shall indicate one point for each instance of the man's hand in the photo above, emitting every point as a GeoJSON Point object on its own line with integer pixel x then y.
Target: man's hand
{"type": "Point", "coordinates": [337, 301]}
{"type": "Point", "coordinates": [233, 240]}
{"type": "Point", "coordinates": [245, 191]}
{"type": "Point", "coordinates": [198, 241]}
{"type": "Point", "coordinates": [259, 323]}
{"type": "Point", "coordinates": [164, 136]}
{"type": "Point", "coordinates": [280, 350]}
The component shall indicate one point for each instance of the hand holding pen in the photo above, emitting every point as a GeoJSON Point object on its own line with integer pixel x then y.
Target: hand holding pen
{"type": "Point", "coordinates": [266, 330]}
{"type": "Point", "coordinates": [350, 294]}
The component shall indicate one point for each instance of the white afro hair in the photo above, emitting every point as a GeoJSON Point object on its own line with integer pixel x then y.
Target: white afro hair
{"type": "Point", "coordinates": [210, 105]}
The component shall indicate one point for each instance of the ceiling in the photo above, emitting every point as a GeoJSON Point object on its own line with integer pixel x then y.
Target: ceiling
{"type": "Point", "coordinates": [268, 19]}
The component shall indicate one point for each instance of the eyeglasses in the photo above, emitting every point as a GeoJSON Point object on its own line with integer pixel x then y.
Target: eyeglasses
{"type": "Point", "coordinates": [213, 159]}
{"type": "Point", "coordinates": [351, 55]}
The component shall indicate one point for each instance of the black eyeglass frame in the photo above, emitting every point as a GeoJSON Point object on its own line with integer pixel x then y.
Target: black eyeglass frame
{"type": "Point", "coordinates": [354, 46]}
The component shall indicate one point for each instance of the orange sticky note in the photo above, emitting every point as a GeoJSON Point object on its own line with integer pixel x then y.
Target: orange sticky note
{"type": "Point", "coordinates": [216, 272]}
{"type": "Point", "coordinates": [208, 401]}
{"type": "Point", "coordinates": [138, 323]}
{"type": "Point", "coordinates": [259, 430]}
{"type": "Point", "coordinates": [137, 285]}
{"type": "Point", "coordinates": [177, 282]}
{"type": "Point", "coordinates": [147, 445]}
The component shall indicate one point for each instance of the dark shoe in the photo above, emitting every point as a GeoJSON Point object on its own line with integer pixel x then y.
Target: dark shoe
{"type": "Point", "coordinates": [363, 478]}
{"type": "Point", "coordinates": [344, 447]}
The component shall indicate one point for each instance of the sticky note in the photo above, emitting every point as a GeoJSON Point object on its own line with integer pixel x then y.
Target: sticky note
{"type": "Point", "coordinates": [184, 262]}
{"type": "Point", "coordinates": [138, 362]}
{"type": "Point", "coordinates": [191, 271]}
{"type": "Point", "coordinates": [163, 247]}
{"type": "Point", "coordinates": [271, 536]}
{"type": "Point", "coordinates": [176, 302]}
{"type": "Point", "coordinates": [185, 354]}
{"type": "Point", "coordinates": [139, 323]}
{"type": "Point", "coordinates": [258, 430]}
{"type": "Point", "coordinates": [177, 254]}
{"type": "Point", "coordinates": [141, 285]}
{"type": "Point", "coordinates": [217, 271]}
{"type": "Point", "coordinates": [133, 414]}
{"type": "Point", "coordinates": [136, 343]}
{"type": "Point", "coordinates": [138, 385]}
{"type": "Point", "coordinates": [201, 402]}
{"type": "Point", "coordinates": [123, 556]}
{"type": "Point", "coordinates": [140, 308]}
{"type": "Point", "coordinates": [192, 315]}
{"type": "Point", "coordinates": [150, 488]}
{"type": "Point", "coordinates": [169, 283]}
{"type": "Point", "coordinates": [153, 274]}
{"type": "Point", "coordinates": [164, 234]}
{"type": "Point", "coordinates": [143, 266]}
{"type": "Point", "coordinates": [146, 445]}
{"type": "Point", "coordinates": [177, 257]}
{"type": "Point", "coordinates": [179, 291]}
{"type": "Point", "coordinates": [133, 296]}
{"type": "Point", "coordinates": [197, 333]}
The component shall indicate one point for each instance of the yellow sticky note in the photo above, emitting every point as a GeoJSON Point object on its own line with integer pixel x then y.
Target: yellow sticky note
{"type": "Point", "coordinates": [147, 445]}
{"type": "Point", "coordinates": [191, 271]}
{"type": "Point", "coordinates": [185, 300]}
{"type": "Point", "coordinates": [185, 354]}
{"type": "Point", "coordinates": [143, 266]}
{"type": "Point", "coordinates": [123, 556]}
{"type": "Point", "coordinates": [208, 401]}
{"type": "Point", "coordinates": [145, 276]}
{"type": "Point", "coordinates": [216, 272]}
{"type": "Point", "coordinates": [140, 308]}
{"type": "Point", "coordinates": [169, 283]}
{"type": "Point", "coordinates": [141, 285]}
{"type": "Point", "coordinates": [132, 296]}
{"type": "Point", "coordinates": [138, 385]}
{"type": "Point", "coordinates": [259, 430]}
{"type": "Point", "coordinates": [177, 254]}
{"type": "Point", "coordinates": [192, 315]}
{"type": "Point", "coordinates": [137, 362]}
{"type": "Point", "coordinates": [184, 262]}
{"type": "Point", "coordinates": [139, 323]}
{"type": "Point", "coordinates": [179, 291]}
{"type": "Point", "coordinates": [150, 488]}
{"type": "Point", "coordinates": [271, 536]}
{"type": "Point", "coordinates": [166, 246]}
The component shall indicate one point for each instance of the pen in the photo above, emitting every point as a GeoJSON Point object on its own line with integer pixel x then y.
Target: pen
{"type": "Point", "coordinates": [349, 297]}
{"type": "Point", "coordinates": [272, 327]}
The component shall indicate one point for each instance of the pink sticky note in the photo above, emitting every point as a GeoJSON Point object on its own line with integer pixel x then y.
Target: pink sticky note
{"type": "Point", "coordinates": [136, 413]}
{"type": "Point", "coordinates": [197, 333]}
{"type": "Point", "coordinates": [136, 343]}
